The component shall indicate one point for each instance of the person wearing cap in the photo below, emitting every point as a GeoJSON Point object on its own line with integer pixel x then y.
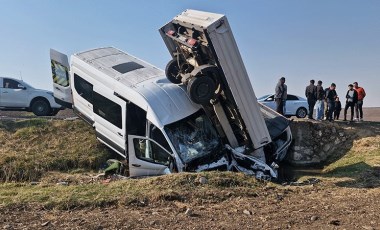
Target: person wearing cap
{"type": "Point", "coordinates": [351, 99]}
{"type": "Point", "coordinates": [330, 98]}
{"type": "Point", "coordinates": [359, 103]}
{"type": "Point", "coordinates": [320, 101]}
{"type": "Point", "coordinates": [311, 95]}
{"type": "Point", "coordinates": [279, 95]}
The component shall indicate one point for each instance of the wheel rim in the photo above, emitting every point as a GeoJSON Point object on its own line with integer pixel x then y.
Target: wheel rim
{"type": "Point", "coordinates": [301, 113]}
{"type": "Point", "coordinates": [40, 108]}
{"type": "Point", "coordinates": [203, 90]}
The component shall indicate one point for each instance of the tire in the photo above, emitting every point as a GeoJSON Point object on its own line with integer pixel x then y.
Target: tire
{"type": "Point", "coordinates": [41, 107]}
{"type": "Point", "coordinates": [301, 112]}
{"type": "Point", "coordinates": [201, 89]}
{"type": "Point", "coordinates": [54, 112]}
{"type": "Point", "coordinates": [172, 72]}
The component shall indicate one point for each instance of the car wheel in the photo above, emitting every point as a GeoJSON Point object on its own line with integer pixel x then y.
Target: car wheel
{"type": "Point", "coordinates": [41, 107]}
{"type": "Point", "coordinates": [201, 89]}
{"type": "Point", "coordinates": [301, 112]}
{"type": "Point", "coordinates": [172, 72]}
{"type": "Point", "coordinates": [54, 112]}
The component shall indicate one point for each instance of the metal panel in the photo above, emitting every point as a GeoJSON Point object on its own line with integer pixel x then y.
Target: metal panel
{"type": "Point", "coordinates": [239, 83]}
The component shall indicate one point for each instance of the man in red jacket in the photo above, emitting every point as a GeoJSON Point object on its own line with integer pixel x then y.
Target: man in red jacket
{"type": "Point", "coordinates": [359, 103]}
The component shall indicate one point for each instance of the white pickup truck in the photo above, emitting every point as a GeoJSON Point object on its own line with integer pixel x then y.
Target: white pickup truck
{"type": "Point", "coordinates": [17, 95]}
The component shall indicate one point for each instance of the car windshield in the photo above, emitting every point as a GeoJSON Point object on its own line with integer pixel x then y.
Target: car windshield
{"type": "Point", "coordinates": [263, 97]}
{"type": "Point", "coordinates": [193, 137]}
{"type": "Point", "coordinates": [26, 84]}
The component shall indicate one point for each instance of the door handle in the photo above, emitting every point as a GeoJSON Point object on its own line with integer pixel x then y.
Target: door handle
{"type": "Point", "coordinates": [136, 165]}
{"type": "Point", "coordinates": [119, 134]}
{"type": "Point", "coordinates": [58, 89]}
{"type": "Point", "coordinates": [5, 92]}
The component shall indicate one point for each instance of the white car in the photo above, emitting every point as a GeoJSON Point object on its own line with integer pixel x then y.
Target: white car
{"type": "Point", "coordinates": [17, 95]}
{"type": "Point", "coordinates": [295, 105]}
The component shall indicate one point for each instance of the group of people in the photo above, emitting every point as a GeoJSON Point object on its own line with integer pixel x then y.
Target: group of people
{"type": "Point", "coordinates": [325, 101]}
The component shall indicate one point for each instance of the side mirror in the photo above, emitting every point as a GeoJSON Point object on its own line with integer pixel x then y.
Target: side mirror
{"type": "Point", "coordinates": [20, 86]}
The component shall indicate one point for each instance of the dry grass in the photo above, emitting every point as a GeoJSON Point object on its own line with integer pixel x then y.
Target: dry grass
{"type": "Point", "coordinates": [32, 147]}
{"type": "Point", "coordinates": [176, 187]}
{"type": "Point", "coordinates": [54, 151]}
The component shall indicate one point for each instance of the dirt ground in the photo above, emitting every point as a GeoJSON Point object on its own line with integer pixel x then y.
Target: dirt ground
{"type": "Point", "coordinates": [330, 204]}
{"type": "Point", "coordinates": [322, 206]}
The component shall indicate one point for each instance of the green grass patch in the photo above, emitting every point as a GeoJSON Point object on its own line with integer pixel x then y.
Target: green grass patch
{"type": "Point", "coordinates": [360, 166]}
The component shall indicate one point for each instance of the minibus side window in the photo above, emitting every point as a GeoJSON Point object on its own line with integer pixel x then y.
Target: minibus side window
{"type": "Point", "coordinates": [107, 109]}
{"type": "Point", "coordinates": [136, 120]}
{"type": "Point", "coordinates": [83, 88]}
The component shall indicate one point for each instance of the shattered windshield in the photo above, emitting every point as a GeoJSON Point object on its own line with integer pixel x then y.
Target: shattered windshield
{"type": "Point", "coordinates": [193, 137]}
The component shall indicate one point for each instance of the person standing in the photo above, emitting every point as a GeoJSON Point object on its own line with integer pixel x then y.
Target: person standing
{"type": "Point", "coordinates": [284, 97]}
{"type": "Point", "coordinates": [351, 100]}
{"type": "Point", "coordinates": [326, 107]}
{"type": "Point", "coordinates": [311, 95]}
{"type": "Point", "coordinates": [338, 108]}
{"type": "Point", "coordinates": [320, 101]}
{"type": "Point", "coordinates": [330, 98]}
{"type": "Point", "coordinates": [359, 103]}
{"type": "Point", "coordinates": [279, 95]}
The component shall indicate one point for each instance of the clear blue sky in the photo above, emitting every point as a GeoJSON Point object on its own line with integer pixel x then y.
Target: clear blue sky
{"type": "Point", "coordinates": [329, 40]}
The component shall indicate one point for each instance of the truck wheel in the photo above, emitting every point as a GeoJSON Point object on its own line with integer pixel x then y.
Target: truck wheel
{"type": "Point", "coordinates": [41, 107]}
{"type": "Point", "coordinates": [172, 72]}
{"type": "Point", "coordinates": [201, 89]}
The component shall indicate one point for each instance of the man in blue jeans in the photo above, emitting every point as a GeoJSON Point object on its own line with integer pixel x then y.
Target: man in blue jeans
{"type": "Point", "coordinates": [330, 97]}
{"type": "Point", "coordinates": [320, 101]}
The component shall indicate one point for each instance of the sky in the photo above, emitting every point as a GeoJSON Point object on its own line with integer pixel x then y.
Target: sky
{"type": "Point", "coordinates": [330, 40]}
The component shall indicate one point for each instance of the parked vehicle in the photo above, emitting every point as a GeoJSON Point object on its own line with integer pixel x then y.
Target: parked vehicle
{"type": "Point", "coordinates": [295, 105]}
{"type": "Point", "coordinates": [18, 95]}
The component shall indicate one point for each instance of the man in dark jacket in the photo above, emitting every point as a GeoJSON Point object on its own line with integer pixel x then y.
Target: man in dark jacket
{"type": "Point", "coordinates": [311, 95]}
{"type": "Point", "coordinates": [330, 98]}
{"type": "Point", "coordinates": [279, 95]}
{"type": "Point", "coordinates": [351, 100]}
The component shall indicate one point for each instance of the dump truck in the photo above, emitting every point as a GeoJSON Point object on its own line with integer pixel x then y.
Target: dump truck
{"type": "Point", "coordinates": [206, 60]}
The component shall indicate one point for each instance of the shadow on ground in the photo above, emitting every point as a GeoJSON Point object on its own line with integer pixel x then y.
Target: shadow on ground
{"type": "Point", "coordinates": [361, 175]}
